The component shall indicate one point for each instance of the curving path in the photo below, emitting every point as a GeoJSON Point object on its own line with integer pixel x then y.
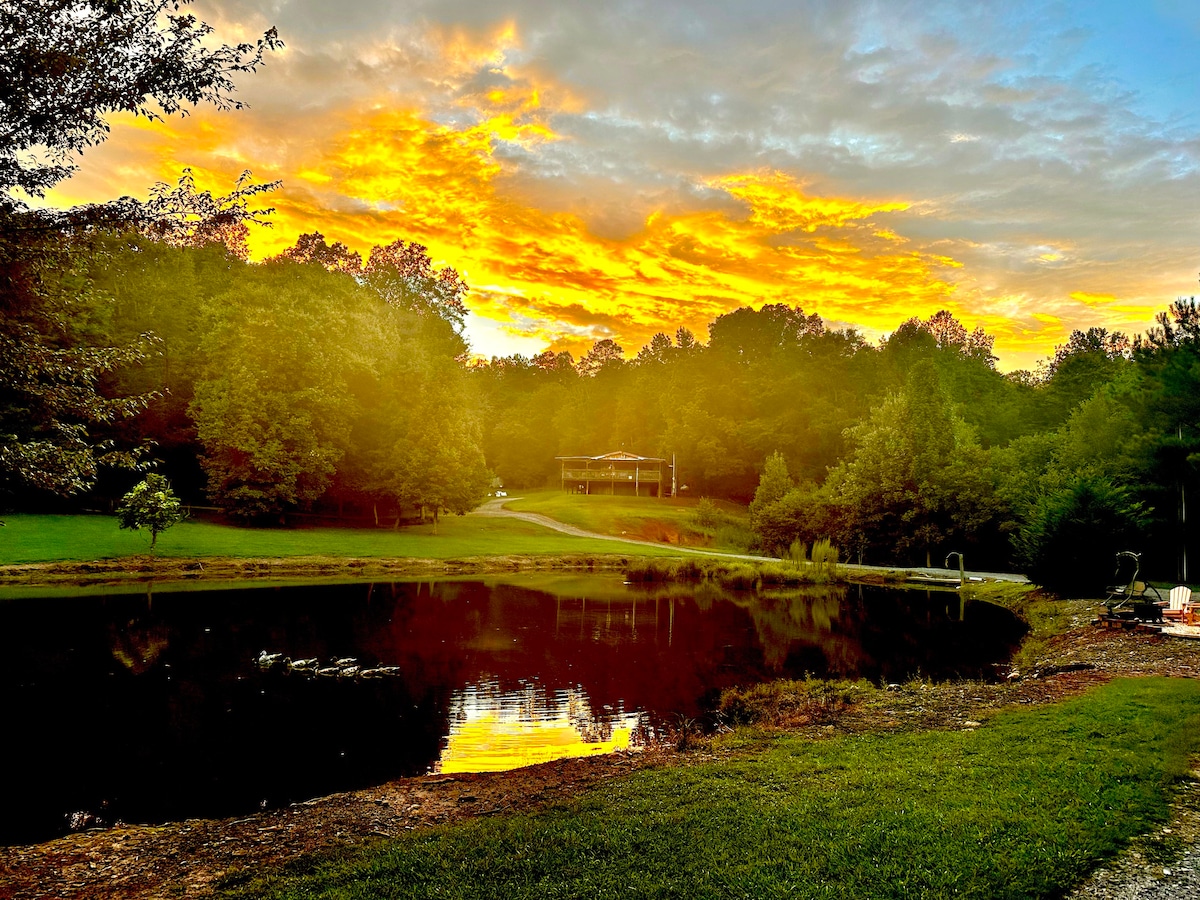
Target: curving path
{"type": "Point", "coordinates": [495, 508]}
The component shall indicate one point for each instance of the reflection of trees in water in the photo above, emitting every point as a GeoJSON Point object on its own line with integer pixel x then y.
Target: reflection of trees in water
{"type": "Point", "coordinates": [783, 618]}
{"type": "Point", "coordinates": [138, 643]}
{"type": "Point", "coordinates": [814, 616]}
{"type": "Point", "coordinates": [177, 689]}
{"type": "Point", "coordinates": [854, 631]}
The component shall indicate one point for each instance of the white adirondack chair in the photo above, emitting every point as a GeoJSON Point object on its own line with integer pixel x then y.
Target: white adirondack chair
{"type": "Point", "coordinates": [1180, 606]}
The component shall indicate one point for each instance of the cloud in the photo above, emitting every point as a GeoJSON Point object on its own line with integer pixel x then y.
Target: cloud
{"type": "Point", "coordinates": [621, 168]}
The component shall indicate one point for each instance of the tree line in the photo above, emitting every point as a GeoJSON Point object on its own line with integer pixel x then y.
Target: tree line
{"type": "Point", "coordinates": [261, 388]}
{"type": "Point", "coordinates": [900, 451]}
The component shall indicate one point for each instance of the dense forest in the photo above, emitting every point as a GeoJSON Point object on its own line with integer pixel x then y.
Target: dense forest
{"type": "Point", "coordinates": [899, 452]}
{"type": "Point", "coordinates": [264, 389]}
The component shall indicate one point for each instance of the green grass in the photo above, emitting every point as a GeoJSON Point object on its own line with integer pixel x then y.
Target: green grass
{"type": "Point", "coordinates": [735, 575]}
{"type": "Point", "coordinates": [646, 518]}
{"type": "Point", "coordinates": [46, 538]}
{"type": "Point", "coordinates": [1021, 808]}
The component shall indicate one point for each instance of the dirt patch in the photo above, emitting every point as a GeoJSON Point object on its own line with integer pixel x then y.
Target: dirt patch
{"type": "Point", "coordinates": [663, 532]}
{"type": "Point", "coordinates": [183, 859]}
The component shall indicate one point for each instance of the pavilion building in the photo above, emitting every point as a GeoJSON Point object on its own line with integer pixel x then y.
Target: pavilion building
{"type": "Point", "coordinates": [617, 473]}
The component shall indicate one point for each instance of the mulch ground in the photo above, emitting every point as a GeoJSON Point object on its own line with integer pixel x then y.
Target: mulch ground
{"type": "Point", "coordinates": [184, 859]}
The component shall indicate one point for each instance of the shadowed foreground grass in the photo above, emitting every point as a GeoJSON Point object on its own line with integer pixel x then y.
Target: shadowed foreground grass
{"type": "Point", "coordinates": [1022, 807]}
{"type": "Point", "coordinates": [49, 538]}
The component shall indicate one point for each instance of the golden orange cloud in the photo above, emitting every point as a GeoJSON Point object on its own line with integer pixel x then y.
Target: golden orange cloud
{"type": "Point", "coordinates": [387, 172]}
{"type": "Point", "coordinates": [384, 166]}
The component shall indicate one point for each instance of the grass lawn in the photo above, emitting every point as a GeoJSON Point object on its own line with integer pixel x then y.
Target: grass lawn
{"type": "Point", "coordinates": [645, 518]}
{"type": "Point", "coordinates": [1023, 807]}
{"type": "Point", "coordinates": [46, 538]}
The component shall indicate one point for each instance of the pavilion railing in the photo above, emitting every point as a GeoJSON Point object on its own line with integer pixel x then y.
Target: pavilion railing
{"type": "Point", "coordinates": [611, 475]}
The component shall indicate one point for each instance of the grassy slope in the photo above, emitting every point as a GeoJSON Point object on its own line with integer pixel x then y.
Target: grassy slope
{"type": "Point", "coordinates": [44, 538]}
{"type": "Point", "coordinates": [642, 517]}
{"type": "Point", "coordinates": [1022, 807]}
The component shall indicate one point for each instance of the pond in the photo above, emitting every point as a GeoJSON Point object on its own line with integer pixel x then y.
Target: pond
{"type": "Point", "coordinates": [161, 705]}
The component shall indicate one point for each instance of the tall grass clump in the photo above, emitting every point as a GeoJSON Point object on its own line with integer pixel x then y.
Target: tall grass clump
{"type": "Point", "coordinates": [740, 577]}
{"type": "Point", "coordinates": [690, 569]}
{"type": "Point", "coordinates": [824, 566]}
{"type": "Point", "coordinates": [796, 554]}
{"type": "Point", "coordinates": [735, 536]}
{"type": "Point", "coordinates": [648, 570]}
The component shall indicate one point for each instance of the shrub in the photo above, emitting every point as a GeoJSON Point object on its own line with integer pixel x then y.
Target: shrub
{"type": "Point", "coordinates": [1070, 541]}
{"type": "Point", "coordinates": [709, 515]}
{"type": "Point", "coordinates": [741, 577]}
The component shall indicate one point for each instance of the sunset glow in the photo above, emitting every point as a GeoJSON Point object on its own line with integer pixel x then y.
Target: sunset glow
{"type": "Point", "coordinates": [585, 203]}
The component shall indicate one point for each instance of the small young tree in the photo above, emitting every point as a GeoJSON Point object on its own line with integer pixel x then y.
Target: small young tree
{"type": "Point", "coordinates": [151, 504]}
{"type": "Point", "coordinates": [773, 484]}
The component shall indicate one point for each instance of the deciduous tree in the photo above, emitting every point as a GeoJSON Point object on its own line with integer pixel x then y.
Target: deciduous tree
{"type": "Point", "coordinates": [273, 408]}
{"type": "Point", "coordinates": [66, 65]}
{"type": "Point", "coordinates": [151, 505]}
{"type": "Point", "coordinates": [403, 274]}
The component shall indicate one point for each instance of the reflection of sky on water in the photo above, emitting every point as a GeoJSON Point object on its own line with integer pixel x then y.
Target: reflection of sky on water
{"type": "Point", "coordinates": [492, 730]}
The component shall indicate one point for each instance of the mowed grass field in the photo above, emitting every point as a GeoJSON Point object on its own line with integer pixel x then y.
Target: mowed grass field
{"type": "Point", "coordinates": [54, 538]}
{"type": "Point", "coordinates": [29, 538]}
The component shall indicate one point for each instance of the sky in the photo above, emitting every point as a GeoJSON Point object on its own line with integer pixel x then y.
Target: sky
{"type": "Point", "coordinates": [615, 169]}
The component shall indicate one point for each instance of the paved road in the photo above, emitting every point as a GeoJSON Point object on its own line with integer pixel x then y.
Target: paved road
{"type": "Point", "coordinates": [495, 508]}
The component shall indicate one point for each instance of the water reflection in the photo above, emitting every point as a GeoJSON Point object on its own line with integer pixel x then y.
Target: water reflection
{"type": "Point", "coordinates": [492, 730]}
{"type": "Point", "coordinates": [139, 710]}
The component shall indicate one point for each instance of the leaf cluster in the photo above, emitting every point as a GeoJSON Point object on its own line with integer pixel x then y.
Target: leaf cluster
{"type": "Point", "coordinates": [65, 65]}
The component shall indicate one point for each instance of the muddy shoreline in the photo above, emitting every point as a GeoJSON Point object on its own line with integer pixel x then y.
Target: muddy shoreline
{"type": "Point", "coordinates": [147, 569]}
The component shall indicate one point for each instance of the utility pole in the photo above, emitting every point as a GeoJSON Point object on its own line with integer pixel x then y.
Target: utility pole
{"type": "Point", "coordinates": [1183, 536]}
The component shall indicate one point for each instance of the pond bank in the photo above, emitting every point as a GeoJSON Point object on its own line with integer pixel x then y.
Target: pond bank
{"type": "Point", "coordinates": [144, 569]}
{"type": "Point", "coordinates": [160, 569]}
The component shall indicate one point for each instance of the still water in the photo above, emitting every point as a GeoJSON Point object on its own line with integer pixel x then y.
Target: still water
{"type": "Point", "coordinates": [163, 705]}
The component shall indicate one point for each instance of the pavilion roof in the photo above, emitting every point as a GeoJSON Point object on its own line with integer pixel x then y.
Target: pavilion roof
{"type": "Point", "coordinates": [616, 456]}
